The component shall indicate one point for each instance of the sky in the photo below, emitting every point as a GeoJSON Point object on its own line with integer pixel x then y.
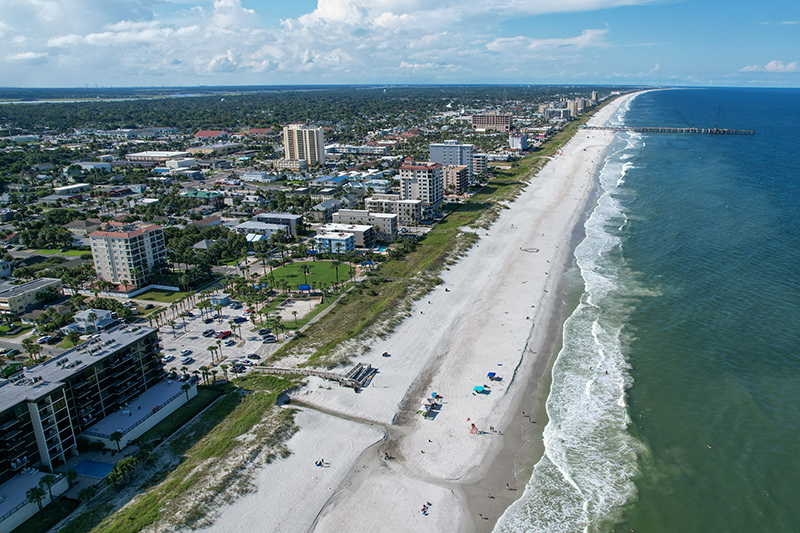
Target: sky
{"type": "Point", "coordinates": [143, 43]}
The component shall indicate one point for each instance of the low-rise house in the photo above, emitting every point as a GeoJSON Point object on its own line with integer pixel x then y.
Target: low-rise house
{"type": "Point", "coordinates": [337, 243]}
{"type": "Point", "coordinates": [363, 235]}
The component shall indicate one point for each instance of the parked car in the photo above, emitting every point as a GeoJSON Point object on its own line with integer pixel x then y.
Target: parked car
{"type": "Point", "coordinates": [209, 333]}
{"type": "Point", "coordinates": [148, 306]}
{"type": "Point", "coordinates": [253, 356]}
{"type": "Point", "coordinates": [54, 339]}
{"type": "Point", "coordinates": [208, 320]}
{"type": "Point", "coordinates": [186, 352]}
{"type": "Point", "coordinates": [264, 331]}
{"type": "Point", "coordinates": [12, 353]}
{"type": "Point", "coordinates": [223, 334]}
{"type": "Point", "coordinates": [239, 319]}
{"type": "Point", "coordinates": [268, 340]}
{"type": "Point", "coordinates": [42, 340]}
{"type": "Point", "coordinates": [230, 342]}
{"type": "Point", "coordinates": [187, 360]}
{"type": "Point", "coordinates": [168, 358]}
{"type": "Point", "coordinates": [239, 368]}
{"type": "Point", "coordinates": [236, 305]}
{"type": "Point", "coordinates": [184, 377]}
{"type": "Point", "coordinates": [247, 362]}
{"type": "Point", "coordinates": [189, 313]}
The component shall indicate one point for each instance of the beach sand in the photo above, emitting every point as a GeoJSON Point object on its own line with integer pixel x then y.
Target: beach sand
{"type": "Point", "coordinates": [497, 310]}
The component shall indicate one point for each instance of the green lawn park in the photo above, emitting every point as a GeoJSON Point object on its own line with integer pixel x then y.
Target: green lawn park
{"type": "Point", "coordinates": [162, 296]}
{"type": "Point", "coordinates": [322, 272]}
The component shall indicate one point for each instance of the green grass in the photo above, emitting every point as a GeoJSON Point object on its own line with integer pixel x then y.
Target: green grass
{"type": "Point", "coordinates": [43, 251]}
{"type": "Point", "coordinates": [321, 273]}
{"type": "Point", "coordinates": [25, 328]}
{"type": "Point", "coordinates": [183, 414]}
{"type": "Point", "coordinates": [66, 344]}
{"type": "Point", "coordinates": [162, 296]}
{"type": "Point", "coordinates": [48, 516]}
{"type": "Point", "coordinates": [208, 440]}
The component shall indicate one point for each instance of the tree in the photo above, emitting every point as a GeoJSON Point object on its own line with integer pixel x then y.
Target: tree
{"type": "Point", "coordinates": [224, 369]}
{"type": "Point", "coordinates": [219, 349]}
{"type": "Point", "coordinates": [186, 388]}
{"type": "Point", "coordinates": [48, 481]}
{"type": "Point", "coordinates": [214, 377]}
{"type": "Point", "coordinates": [294, 314]}
{"type": "Point", "coordinates": [71, 477]}
{"type": "Point", "coordinates": [212, 349]}
{"type": "Point", "coordinates": [306, 270]}
{"type": "Point", "coordinates": [93, 318]}
{"type": "Point", "coordinates": [204, 369]}
{"type": "Point", "coordinates": [116, 437]}
{"type": "Point", "coordinates": [87, 494]}
{"type": "Point", "coordinates": [36, 495]}
{"type": "Point", "coordinates": [218, 309]}
{"type": "Point", "coordinates": [73, 336]}
{"type": "Point", "coordinates": [335, 265]}
{"type": "Point", "coordinates": [172, 323]}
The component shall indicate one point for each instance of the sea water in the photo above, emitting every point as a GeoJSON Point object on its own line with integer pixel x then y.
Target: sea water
{"type": "Point", "coordinates": [675, 400]}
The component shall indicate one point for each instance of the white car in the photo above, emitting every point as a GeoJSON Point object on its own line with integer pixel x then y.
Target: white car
{"type": "Point", "coordinates": [186, 352]}
{"type": "Point", "coordinates": [168, 358]}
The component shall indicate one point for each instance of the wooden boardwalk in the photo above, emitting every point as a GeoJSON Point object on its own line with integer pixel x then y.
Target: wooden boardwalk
{"type": "Point", "coordinates": [356, 378]}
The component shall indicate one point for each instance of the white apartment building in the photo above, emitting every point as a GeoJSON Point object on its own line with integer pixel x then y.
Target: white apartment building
{"type": "Point", "coordinates": [127, 252]}
{"type": "Point", "coordinates": [422, 181]}
{"type": "Point", "coordinates": [385, 223]}
{"type": "Point", "coordinates": [304, 143]}
{"type": "Point", "coordinates": [453, 153]}
{"type": "Point", "coordinates": [409, 212]}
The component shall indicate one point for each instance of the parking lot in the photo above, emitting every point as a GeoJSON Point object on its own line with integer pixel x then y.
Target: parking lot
{"type": "Point", "coordinates": [190, 342]}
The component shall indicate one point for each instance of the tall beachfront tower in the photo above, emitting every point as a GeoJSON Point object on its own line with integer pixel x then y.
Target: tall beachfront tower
{"type": "Point", "coordinates": [304, 143]}
{"type": "Point", "coordinates": [453, 153]}
{"type": "Point", "coordinates": [422, 181]}
{"type": "Point", "coordinates": [127, 253]}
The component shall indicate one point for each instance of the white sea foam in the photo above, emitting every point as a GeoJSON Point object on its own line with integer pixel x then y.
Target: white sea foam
{"type": "Point", "coordinates": [585, 474]}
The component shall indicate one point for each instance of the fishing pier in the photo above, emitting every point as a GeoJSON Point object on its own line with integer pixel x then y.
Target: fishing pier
{"type": "Point", "coordinates": [664, 129]}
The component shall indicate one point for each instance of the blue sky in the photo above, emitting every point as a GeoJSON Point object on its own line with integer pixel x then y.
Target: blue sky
{"type": "Point", "coordinates": [74, 43]}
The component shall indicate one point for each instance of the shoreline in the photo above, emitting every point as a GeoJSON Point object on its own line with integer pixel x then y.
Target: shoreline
{"type": "Point", "coordinates": [500, 308]}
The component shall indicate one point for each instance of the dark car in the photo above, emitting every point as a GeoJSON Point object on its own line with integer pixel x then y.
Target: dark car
{"type": "Point", "coordinates": [208, 320]}
{"type": "Point", "coordinates": [264, 331]}
{"type": "Point", "coordinates": [189, 313]}
{"type": "Point", "coordinates": [149, 306]}
{"type": "Point", "coordinates": [239, 319]}
{"type": "Point", "coordinates": [254, 356]}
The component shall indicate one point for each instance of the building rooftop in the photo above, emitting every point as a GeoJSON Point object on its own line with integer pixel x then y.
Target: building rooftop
{"type": "Point", "coordinates": [42, 379]}
{"type": "Point", "coordinates": [126, 231]}
{"type": "Point", "coordinates": [18, 290]}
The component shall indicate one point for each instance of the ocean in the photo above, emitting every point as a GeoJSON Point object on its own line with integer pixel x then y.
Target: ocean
{"type": "Point", "coordinates": [675, 398]}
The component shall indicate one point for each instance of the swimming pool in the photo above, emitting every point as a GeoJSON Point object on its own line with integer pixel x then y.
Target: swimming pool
{"type": "Point", "coordinates": [96, 469]}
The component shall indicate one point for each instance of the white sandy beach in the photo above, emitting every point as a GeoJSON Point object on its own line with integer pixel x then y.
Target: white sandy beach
{"type": "Point", "coordinates": [495, 316]}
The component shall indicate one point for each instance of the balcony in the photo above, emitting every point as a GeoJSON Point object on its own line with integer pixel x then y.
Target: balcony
{"type": "Point", "coordinates": [11, 435]}
{"type": "Point", "coordinates": [9, 424]}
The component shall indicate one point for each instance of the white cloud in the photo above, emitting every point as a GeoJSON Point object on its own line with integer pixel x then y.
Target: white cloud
{"type": "Point", "coordinates": [122, 41]}
{"type": "Point", "coordinates": [31, 58]}
{"type": "Point", "coordinates": [772, 66]}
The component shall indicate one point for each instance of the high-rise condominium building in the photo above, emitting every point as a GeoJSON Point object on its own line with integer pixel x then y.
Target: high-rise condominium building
{"type": "Point", "coordinates": [304, 143]}
{"type": "Point", "coordinates": [453, 153]}
{"type": "Point", "coordinates": [127, 252]}
{"type": "Point", "coordinates": [422, 181]}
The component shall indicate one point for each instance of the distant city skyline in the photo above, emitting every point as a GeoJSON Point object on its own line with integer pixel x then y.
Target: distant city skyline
{"type": "Point", "coordinates": [77, 43]}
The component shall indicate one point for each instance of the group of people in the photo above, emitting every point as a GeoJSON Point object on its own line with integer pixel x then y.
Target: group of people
{"type": "Point", "coordinates": [321, 462]}
{"type": "Point", "coordinates": [425, 508]}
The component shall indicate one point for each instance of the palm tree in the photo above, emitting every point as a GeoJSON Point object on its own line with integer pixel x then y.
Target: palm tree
{"type": "Point", "coordinates": [204, 369]}
{"type": "Point", "coordinates": [32, 347]}
{"type": "Point", "coordinates": [212, 349]}
{"type": "Point", "coordinates": [116, 437]}
{"type": "Point", "coordinates": [36, 495]}
{"type": "Point", "coordinates": [71, 477]}
{"type": "Point", "coordinates": [335, 265]}
{"type": "Point", "coordinates": [294, 314]}
{"type": "Point", "coordinates": [186, 388]}
{"type": "Point", "coordinates": [93, 318]}
{"type": "Point", "coordinates": [214, 377]}
{"type": "Point", "coordinates": [219, 349]}
{"type": "Point", "coordinates": [48, 481]}
{"type": "Point", "coordinates": [224, 369]}
{"type": "Point", "coordinates": [218, 309]}
{"type": "Point", "coordinates": [306, 269]}
{"type": "Point", "coordinates": [172, 323]}
{"type": "Point", "coordinates": [183, 316]}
